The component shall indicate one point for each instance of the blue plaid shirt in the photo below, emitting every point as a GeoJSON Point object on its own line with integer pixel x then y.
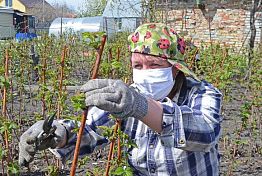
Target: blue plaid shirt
{"type": "Point", "coordinates": [187, 146]}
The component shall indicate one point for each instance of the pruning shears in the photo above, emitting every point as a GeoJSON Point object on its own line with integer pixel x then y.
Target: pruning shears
{"type": "Point", "coordinates": [48, 130]}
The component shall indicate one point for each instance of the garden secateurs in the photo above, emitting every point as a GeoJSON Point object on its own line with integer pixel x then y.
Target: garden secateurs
{"type": "Point", "coordinates": [48, 130]}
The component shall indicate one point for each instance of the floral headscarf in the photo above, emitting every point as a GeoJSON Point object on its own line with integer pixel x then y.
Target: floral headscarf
{"type": "Point", "coordinates": [157, 39]}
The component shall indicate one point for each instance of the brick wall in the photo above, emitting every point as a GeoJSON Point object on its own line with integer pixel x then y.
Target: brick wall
{"type": "Point", "coordinates": [216, 24]}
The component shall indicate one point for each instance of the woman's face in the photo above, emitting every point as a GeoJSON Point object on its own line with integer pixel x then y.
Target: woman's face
{"type": "Point", "coordinates": [142, 62]}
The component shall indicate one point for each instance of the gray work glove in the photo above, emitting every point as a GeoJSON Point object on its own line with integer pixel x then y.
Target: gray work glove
{"type": "Point", "coordinates": [115, 97]}
{"type": "Point", "coordinates": [28, 141]}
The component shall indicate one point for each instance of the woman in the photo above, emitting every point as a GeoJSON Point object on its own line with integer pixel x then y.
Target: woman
{"type": "Point", "coordinates": [174, 120]}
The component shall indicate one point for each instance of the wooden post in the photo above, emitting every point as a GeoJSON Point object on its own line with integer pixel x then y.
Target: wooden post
{"type": "Point", "coordinates": [59, 107]}
{"type": "Point", "coordinates": [99, 56]}
{"type": "Point", "coordinates": [4, 104]}
{"type": "Point", "coordinates": [119, 142]}
{"type": "Point", "coordinates": [110, 154]}
{"type": "Point", "coordinates": [84, 115]}
{"type": "Point", "coordinates": [44, 84]}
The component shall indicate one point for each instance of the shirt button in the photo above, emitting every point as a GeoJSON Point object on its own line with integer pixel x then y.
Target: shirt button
{"type": "Point", "coordinates": [181, 141]}
{"type": "Point", "coordinates": [152, 170]}
{"type": "Point", "coordinates": [151, 146]}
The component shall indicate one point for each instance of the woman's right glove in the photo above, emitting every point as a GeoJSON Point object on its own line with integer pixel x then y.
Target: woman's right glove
{"type": "Point", "coordinates": [30, 141]}
{"type": "Point", "coordinates": [115, 97]}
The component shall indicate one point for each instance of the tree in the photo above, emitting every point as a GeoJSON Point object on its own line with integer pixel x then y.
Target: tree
{"type": "Point", "coordinates": [93, 8]}
{"type": "Point", "coordinates": [256, 4]}
{"type": "Point", "coordinates": [62, 10]}
{"type": "Point", "coordinates": [46, 13]}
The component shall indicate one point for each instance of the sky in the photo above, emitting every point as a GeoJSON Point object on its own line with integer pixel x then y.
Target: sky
{"type": "Point", "coordinates": [73, 4]}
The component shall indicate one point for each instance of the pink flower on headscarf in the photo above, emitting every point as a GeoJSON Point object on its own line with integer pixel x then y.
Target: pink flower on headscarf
{"type": "Point", "coordinates": [135, 37]}
{"type": "Point", "coordinates": [148, 35]}
{"type": "Point", "coordinates": [152, 26]}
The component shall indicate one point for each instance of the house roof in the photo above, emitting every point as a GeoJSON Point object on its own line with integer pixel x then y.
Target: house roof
{"type": "Point", "coordinates": [123, 8]}
{"type": "Point", "coordinates": [32, 3]}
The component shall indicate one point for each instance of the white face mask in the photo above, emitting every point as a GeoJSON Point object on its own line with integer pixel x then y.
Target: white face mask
{"type": "Point", "coordinates": [154, 83]}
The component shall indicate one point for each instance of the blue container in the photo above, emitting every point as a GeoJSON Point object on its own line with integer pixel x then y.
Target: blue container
{"type": "Point", "coordinates": [25, 36]}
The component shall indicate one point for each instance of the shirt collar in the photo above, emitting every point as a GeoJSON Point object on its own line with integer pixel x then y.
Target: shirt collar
{"type": "Point", "coordinates": [186, 87]}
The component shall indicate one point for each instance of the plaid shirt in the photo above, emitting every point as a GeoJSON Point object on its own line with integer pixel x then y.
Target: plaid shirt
{"type": "Point", "coordinates": [187, 145]}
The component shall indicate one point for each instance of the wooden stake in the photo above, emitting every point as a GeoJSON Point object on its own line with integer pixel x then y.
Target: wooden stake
{"type": "Point", "coordinates": [119, 142]}
{"type": "Point", "coordinates": [98, 59]}
{"type": "Point", "coordinates": [59, 107]}
{"type": "Point", "coordinates": [44, 84]}
{"type": "Point", "coordinates": [110, 154]}
{"type": "Point", "coordinates": [84, 115]}
{"type": "Point", "coordinates": [5, 102]}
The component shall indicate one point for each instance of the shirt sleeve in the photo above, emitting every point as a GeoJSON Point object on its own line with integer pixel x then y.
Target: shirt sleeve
{"type": "Point", "coordinates": [196, 125]}
{"type": "Point", "coordinates": [92, 137]}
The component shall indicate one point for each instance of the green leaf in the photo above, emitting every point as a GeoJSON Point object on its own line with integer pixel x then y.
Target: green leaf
{"type": "Point", "coordinates": [13, 168]}
{"type": "Point", "coordinates": [2, 153]}
{"type": "Point", "coordinates": [128, 171]}
{"type": "Point", "coordinates": [4, 82]}
{"type": "Point", "coordinates": [119, 171]}
{"type": "Point", "coordinates": [78, 102]}
{"type": "Point", "coordinates": [12, 125]}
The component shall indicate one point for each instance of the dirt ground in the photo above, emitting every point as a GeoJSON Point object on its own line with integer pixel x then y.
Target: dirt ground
{"type": "Point", "coordinates": [246, 161]}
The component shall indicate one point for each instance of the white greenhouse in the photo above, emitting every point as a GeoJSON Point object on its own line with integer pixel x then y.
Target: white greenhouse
{"type": "Point", "coordinates": [118, 16]}
{"type": "Point", "coordinates": [76, 25]}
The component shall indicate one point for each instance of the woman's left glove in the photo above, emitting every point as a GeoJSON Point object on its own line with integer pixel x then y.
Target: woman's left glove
{"type": "Point", "coordinates": [115, 97]}
{"type": "Point", "coordinates": [29, 145]}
